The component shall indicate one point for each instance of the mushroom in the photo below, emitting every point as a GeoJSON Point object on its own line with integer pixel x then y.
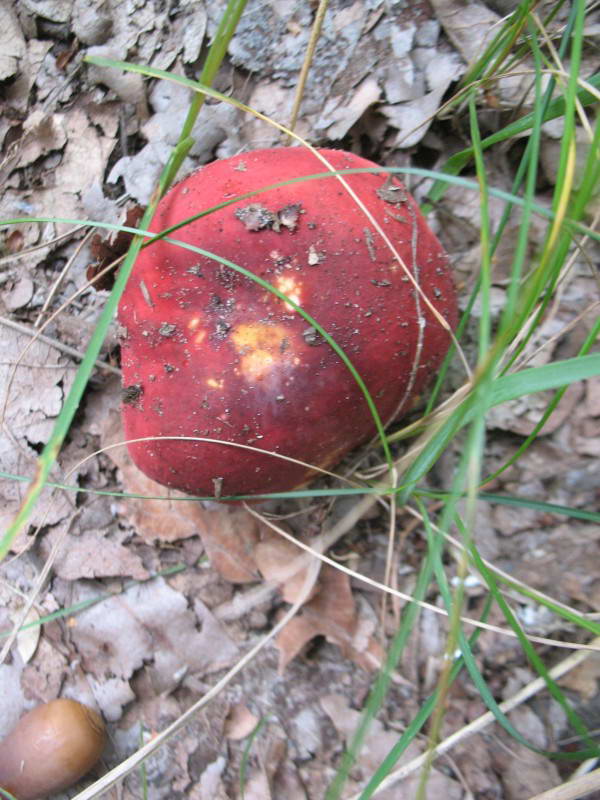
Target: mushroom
{"type": "Point", "coordinates": [207, 352]}
{"type": "Point", "coordinates": [50, 748]}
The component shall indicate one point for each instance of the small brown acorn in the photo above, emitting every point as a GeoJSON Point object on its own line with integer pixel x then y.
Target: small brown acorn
{"type": "Point", "coordinates": [50, 748]}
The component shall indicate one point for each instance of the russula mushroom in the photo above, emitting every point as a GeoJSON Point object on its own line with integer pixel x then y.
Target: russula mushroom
{"type": "Point", "coordinates": [50, 748]}
{"type": "Point", "coordinates": [207, 352]}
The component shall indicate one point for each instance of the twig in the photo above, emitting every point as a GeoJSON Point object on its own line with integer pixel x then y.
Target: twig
{"type": "Point", "coordinates": [308, 57]}
{"type": "Point", "coordinates": [486, 719]}
{"type": "Point", "coordinates": [574, 789]}
{"type": "Point", "coordinates": [63, 348]}
{"type": "Point", "coordinates": [61, 277]}
{"type": "Point", "coordinates": [150, 747]}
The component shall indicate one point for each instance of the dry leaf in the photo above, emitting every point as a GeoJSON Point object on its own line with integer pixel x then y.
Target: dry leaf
{"type": "Point", "coordinates": [106, 249]}
{"type": "Point", "coordinates": [469, 27]}
{"type": "Point", "coordinates": [524, 773]}
{"type": "Point", "coordinates": [12, 43]}
{"type": "Point", "coordinates": [164, 520]}
{"type": "Point", "coordinates": [210, 786]}
{"type": "Point", "coordinates": [331, 613]}
{"type": "Point", "coordinates": [149, 624]}
{"type": "Point", "coordinates": [42, 133]}
{"type": "Point", "coordinates": [27, 640]}
{"type": "Point", "coordinates": [349, 112]}
{"type": "Point", "coordinates": [229, 535]}
{"type": "Point", "coordinates": [381, 741]}
{"type": "Point", "coordinates": [82, 165]}
{"type": "Point", "coordinates": [257, 786]}
{"type": "Point", "coordinates": [279, 561]}
{"type": "Point", "coordinates": [44, 677]}
{"type": "Point", "coordinates": [35, 400]}
{"type": "Point", "coordinates": [584, 678]}
{"type": "Point", "coordinates": [93, 554]}
{"type": "Point", "coordinates": [12, 700]}
{"type": "Point", "coordinates": [592, 396]}
{"type": "Point", "coordinates": [240, 722]}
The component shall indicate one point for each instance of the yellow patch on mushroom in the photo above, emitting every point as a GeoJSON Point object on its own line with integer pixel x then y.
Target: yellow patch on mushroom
{"type": "Point", "coordinates": [261, 348]}
{"type": "Point", "coordinates": [288, 285]}
{"type": "Point", "coordinates": [200, 337]}
{"type": "Point", "coordinates": [215, 384]}
{"type": "Point", "coordinates": [193, 323]}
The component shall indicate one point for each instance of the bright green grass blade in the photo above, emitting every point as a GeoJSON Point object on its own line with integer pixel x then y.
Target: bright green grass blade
{"type": "Point", "coordinates": [503, 389]}
{"type": "Point", "coordinates": [246, 754]}
{"type": "Point", "coordinates": [585, 348]}
{"type": "Point", "coordinates": [380, 687]}
{"type": "Point", "coordinates": [558, 244]}
{"type": "Point", "coordinates": [528, 164]}
{"type": "Point", "coordinates": [50, 452]}
{"type": "Point", "coordinates": [217, 52]}
{"type": "Point", "coordinates": [542, 281]}
{"type": "Point", "coordinates": [556, 108]}
{"type": "Point", "coordinates": [548, 376]}
{"type": "Point", "coordinates": [143, 770]}
{"type": "Point", "coordinates": [527, 169]}
{"type": "Point", "coordinates": [531, 654]}
{"type": "Point", "coordinates": [382, 491]}
{"type": "Point", "coordinates": [489, 64]}
{"type": "Point", "coordinates": [541, 506]}
{"type": "Point", "coordinates": [469, 467]}
{"type": "Point", "coordinates": [417, 724]}
{"type": "Point", "coordinates": [475, 674]}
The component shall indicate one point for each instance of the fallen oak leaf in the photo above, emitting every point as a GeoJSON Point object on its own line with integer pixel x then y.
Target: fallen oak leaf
{"type": "Point", "coordinates": [281, 562]}
{"type": "Point", "coordinates": [165, 520]}
{"type": "Point", "coordinates": [239, 722]}
{"type": "Point", "coordinates": [330, 613]}
{"type": "Point", "coordinates": [107, 249]}
{"type": "Point", "coordinates": [229, 536]}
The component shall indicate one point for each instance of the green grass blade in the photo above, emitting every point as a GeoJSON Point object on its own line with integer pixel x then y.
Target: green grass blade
{"type": "Point", "coordinates": [478, 679]}
{"type": "Point", "coordinates": [246, 754]}
{"type": "Point", "coordinates": [541, 506]}
{"type": "Point", "coordinates": [417, 723]}
{"type": "Point", "coordinates": [377, 694]}
{"type": "Point", "coordinates": [531, 654]}
{"type": "Point", "coordinates": [217, 52]}
{"type": "Point", "coordinates": [50, 452]}
{"type": "Point", "coordinates": [556, 108]}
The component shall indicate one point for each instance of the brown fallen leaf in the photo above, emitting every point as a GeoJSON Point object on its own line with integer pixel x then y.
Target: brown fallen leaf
{"type": "Point", "coordinates": [92, 554]}
{"type": "Point", "coordinates": [331, 613]}
{"type": "Point", "coordinates": [278, 561]}
{"type": "Point", "coordinates": [240, 722]}
{"type": "Point", "coordinates": [229, 533]}
{"type": "Point", "coordinates": [165, 520]}
{"type": "Point", "coordinates": [229, 536]}
{"type": "Point", "coordinates": [106, 249]}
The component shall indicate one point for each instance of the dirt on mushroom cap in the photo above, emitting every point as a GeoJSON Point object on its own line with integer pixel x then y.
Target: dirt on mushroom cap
{"type": "Point", "coordinates": [213, 354]}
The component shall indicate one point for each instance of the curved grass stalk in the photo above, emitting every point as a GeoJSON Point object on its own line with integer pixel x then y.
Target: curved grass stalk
{"type": "Point", "coordinates": [50, 452]}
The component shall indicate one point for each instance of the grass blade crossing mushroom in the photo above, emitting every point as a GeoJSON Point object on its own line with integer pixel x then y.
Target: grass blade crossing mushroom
{"type": "Point", "coordinates": [207, 352]}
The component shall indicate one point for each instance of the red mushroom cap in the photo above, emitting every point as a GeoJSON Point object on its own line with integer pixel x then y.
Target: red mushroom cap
{"type": "Point", "coordinates": [207, 352]}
